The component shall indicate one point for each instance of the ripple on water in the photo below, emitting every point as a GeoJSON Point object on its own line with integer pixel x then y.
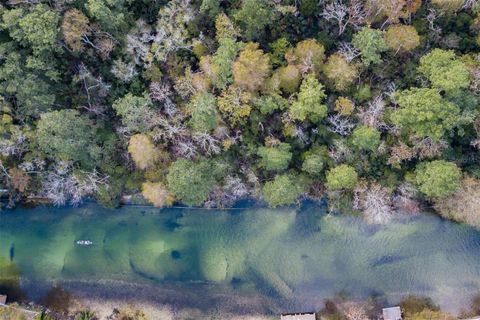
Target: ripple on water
{"type": "Point", "coordinates": [288, 255]}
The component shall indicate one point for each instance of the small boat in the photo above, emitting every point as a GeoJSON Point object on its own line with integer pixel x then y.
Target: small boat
{"type": "Point", "coordinates": [84, 242]}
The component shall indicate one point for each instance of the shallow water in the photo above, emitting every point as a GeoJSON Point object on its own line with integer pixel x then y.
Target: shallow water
{"type": "Point", "coordinates": [285, 259]}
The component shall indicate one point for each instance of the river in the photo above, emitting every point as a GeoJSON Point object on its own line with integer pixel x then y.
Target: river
{"type": "Point", "coordinates": [252, 259]}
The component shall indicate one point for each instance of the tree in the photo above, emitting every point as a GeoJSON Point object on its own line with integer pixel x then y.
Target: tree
{"type": "Point", "coordinates": [341, 177]}
{"type": "Point", "coordinates": [219, 66]}
{"type": "Point", "coordinates": [339, 72]}
{"type": "Point", "coordinates": [401, 38]}
{"type": "Point", "coordinates": [309, 101]}
{"type": "Point", "coordinates": [142, 151]}
{"type": "Point", "coordinates": [423, 112]}
{"type": "Point", "coordinates": [366, 138]}
{"type": "Point", "coordinates": [438, 178]}
{"type": "Point", "coordinates": [275, 158]}
{"type": "Point", "coordinates": [251, 68]}
{"type": "Point", "coordinates": [448, 6]}
{"type": "Point", "coordinates": [235, 104]}
{"type": "Point", "coordinates": [36, 28]}
{"type": "Point", "coordinates": [136, 112]}
{"type": "Point", "coordinates": [172, 33]}
{"type": "Point", "coordinates": [32, 93]}
{"type": "Point", "coordinates": [203, 112]}
{"type": "Point", "coordinates": [210, 7]}
{"type": "Point", "coordinates": [307, 56]}
{"type": "Point", "coordinates": [254, 16]}
{"type": "Point", "coordinates": [76, 29]}
{"type": "Point", "coordinates": [281, 191]}
{"type": "Point", "coordinates": [463, 205]}
{"type": "Point", "coordinates": [371, 44]}
{"type": "Point", "coordinates": [191, 181]}
{"type": "Point", "coordinates": [69, 136]}
{"type": "Point", "coordinates": [313, 163]}
{"type": "Point", "coordinates": [288, 78]}
{"type": "Point", "coordinates": [444, 70]}
{"type": "Point", "coordinates": [107, 13]}
{"type": "Point", "coordinates": [374, 201]}
{"type": "Point", "coordinates": [394, 9]}
{"type": "Point", "coordinates": [157, 194]}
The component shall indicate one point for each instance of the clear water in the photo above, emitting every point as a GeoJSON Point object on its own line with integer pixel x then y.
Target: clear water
{"type": "Point", "coordinates": [285, 259]}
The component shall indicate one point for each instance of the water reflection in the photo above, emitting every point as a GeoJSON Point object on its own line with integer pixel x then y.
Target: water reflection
{"type": "Point", "coordinates": [294, 256]}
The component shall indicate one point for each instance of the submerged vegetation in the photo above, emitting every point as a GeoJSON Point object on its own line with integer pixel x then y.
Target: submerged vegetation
{"type": "Point", "coordinates": [371, 104]}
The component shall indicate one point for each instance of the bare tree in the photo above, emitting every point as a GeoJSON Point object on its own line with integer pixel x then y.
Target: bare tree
{"type": "Point", "coordinates": [207, 143]}
{"type": "Point", "coordinates": [469, 4]}
{"type": "Point", "coordinates": [337, 11]}
{"type": "Point", "coordinates": [404, 199]}
{"type": "Point", "coordinates": [225, 195]}
{"type": "Point", "coordinates": [348, 51]}
{"type": "Point", "coordinates": [374, 201]}
{"type": "Point", "coordinates": [61, 185]}
{"type": "Point", "coordinates": [339, 151]}
{"type": "Point", "coordinates": [372, 115]}
{"type": "Point", "coordinates": [95, 89]}
{"type": "Point", "coordinates": [344, 15]}
{"type": "Point", "coordinates": [138, 41]}
{"type": "Point", "coordinates": [426, 147]}
{"type": "Point", "coordinates": [436, 31]}
{"type": "Point", "coordinates": [161, 92]}
{"type": "Point", "coordinates": [340, 124]}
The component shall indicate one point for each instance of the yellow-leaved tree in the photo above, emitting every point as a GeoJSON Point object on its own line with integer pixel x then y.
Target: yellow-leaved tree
{"type": "Point", "coordinates": [157, 194]}
{"type": "Point", "coordinates": [143, 151]}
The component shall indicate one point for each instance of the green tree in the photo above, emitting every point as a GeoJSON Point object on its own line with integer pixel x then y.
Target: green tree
{"type": "Point", "coordinates": [203, 112]}
{"type": "Point", "coordinates": [438, 178]}
{"type": "Point", "coordinates": [32, 93]}
{"type": "Point", "coordinates": [371, 44]}
{"type": "Point", "coordinates": [36, 28]}
{"type": "Point", "coordinates": [309, 102]}
{"type": "Point", "coordinates": [108, 13]}
{"type": "Point", "coordinates": [275, 157]}
{"type": "Point", "coordinates": [222, 62]}
{"type": "Point", "coordinates": [424, 112]}
{"type": "Point", "coordinates": [191, 181]}
{"type": "Point", "coordinates": [313, 164]}
{"type": "Point", "coordinates": [341, 177]}
{"type": "Point", "coordinates": [210, 7]}
{"type": "Point", "coordinates": [366, 138]}
{"type": "Point", "coordinates": [136, 112]}
{"type": "Point", "coordinates": [68, 136]}
{"type": "Point", "coordinates": [283, 190]}
{"type": "Point", "coordinates": [444, 70]}
{"type": "Point", "coordinates": [254, 16]}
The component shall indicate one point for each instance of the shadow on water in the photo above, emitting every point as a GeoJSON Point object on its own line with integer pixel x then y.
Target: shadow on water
{"type": "Point", "coordinates": [12, 252]}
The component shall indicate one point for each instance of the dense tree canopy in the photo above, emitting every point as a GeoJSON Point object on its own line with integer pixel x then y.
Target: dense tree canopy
{"type": "Point", "coordinates": [68, 135]}
{"type": "Point", "coordinates": [372, 104]}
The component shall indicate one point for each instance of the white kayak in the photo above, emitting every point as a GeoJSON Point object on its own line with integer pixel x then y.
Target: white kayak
{"type": "Point", "coordinates": [84, 242]}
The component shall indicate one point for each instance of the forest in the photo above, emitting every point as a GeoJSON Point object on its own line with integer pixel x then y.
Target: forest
{"type": "Point", "coordinates": [373, 105]}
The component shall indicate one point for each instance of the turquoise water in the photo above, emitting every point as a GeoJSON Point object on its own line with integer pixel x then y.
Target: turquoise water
{"type": "Point", "coordinates": [288, 258]}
